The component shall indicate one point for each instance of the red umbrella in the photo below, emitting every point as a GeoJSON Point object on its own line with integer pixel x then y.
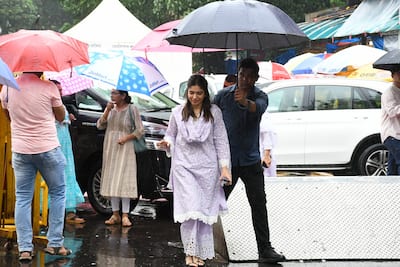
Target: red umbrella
{"type": "Point", "coordinates": [155, 42]}
{"type": "Point", "coordinates": [273, 71]}
{"type": "Point", "coordinates": [42, 50]}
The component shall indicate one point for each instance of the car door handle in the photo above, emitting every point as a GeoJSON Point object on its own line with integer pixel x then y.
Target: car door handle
{"type": "Point", "coordinates": [89, 124]}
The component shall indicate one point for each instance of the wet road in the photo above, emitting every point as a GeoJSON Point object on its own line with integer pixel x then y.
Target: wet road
{"type": "Point", "coordinates": [153, 240]}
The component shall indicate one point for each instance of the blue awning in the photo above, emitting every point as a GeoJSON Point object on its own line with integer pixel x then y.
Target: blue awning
{"type": "Point", "coordinates": [372, 16]}
{"type": "Point", "coordinates": [323, 29]}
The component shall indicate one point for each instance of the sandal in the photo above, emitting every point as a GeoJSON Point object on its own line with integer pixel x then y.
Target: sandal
{"type": "Point", "coordinates": [198, 261]}
{"type": "Point", "coordinates": [113, 220]}
{"type": "Point", "coordinates": [72, 218]}
{"type": "Point", "coordinates": [189, 261]}
{"type": "Point", "coordinates": [59, 251]}
{"type": "Point", "coordinates": [25, 256]}
{"type": "Point", "coordinates": [126, 222]}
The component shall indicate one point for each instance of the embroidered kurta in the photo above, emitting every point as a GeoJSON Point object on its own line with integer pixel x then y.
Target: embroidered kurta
{"type": "Point", "coordinates": [118, 175]}
{"type": "Point", "coordinates": [198, 150]}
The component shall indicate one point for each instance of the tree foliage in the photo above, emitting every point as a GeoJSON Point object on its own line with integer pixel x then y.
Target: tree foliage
{"type": "Point", "coordinates": [62, 14]}
{"type": "Point", "coordinates": [17, 14]}
{"type": "Point", "coordinates": [156, 12]}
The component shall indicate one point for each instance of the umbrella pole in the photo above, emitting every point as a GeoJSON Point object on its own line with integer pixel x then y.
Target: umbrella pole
{"type": "Point", "coordinates": [237, 56]}
{"type": "Point", "coordinates": [204, 62]}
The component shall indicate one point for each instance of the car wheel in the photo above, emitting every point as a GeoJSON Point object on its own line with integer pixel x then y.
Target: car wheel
{"type": "Point", "coordinates": [373, 161]}
{"type": "Point", "coordinates": [99, 203]}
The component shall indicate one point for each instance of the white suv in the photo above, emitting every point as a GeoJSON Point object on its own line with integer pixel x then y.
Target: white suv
{"type": "Point", "coordinates": [328, 124]}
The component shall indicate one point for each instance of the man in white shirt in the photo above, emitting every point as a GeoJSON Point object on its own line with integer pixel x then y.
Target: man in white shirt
{"type": "Point", "coordinates": [390, 123]}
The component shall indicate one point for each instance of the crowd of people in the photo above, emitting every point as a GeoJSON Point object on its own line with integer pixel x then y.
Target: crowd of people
{"type": "Point", "coordinates": [212, 143]}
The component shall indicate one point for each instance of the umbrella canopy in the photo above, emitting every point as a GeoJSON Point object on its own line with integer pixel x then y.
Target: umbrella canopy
{"type": "Point", "coordinates": [307, 65]}
{"type": "Point", "coordinates": [71, 82]}
{"type": "Point", "coordinates": [155, 41]}
{"type": "Point", "coordinates": [294, 61]}
{"type": "Point", "coordinates": [6, 76]}
{"type": "Point", "coordinates": [123, 72]}
{"type": "Point", "coordinates": [389, 61]}
{"type": "Point", "coordinates": [42, 50]}
{"type": "Point", "coordinates": [367, 72]}
{"type": "Point", "coordinates": [273, 71]}
{"type": "Point", "coordinates": [237, 24]}
{"type": "Point", "coordinates": [349, 59]}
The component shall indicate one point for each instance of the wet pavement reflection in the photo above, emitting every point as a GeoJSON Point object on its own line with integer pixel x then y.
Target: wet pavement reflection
{"type": "Point", "coordinates": [153, 240]}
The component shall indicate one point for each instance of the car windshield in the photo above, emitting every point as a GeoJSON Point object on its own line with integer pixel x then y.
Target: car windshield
{"type": "Point", "coordinates": [155, 102]}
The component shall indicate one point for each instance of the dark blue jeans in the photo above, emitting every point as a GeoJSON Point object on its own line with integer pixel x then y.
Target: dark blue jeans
{"type": "Point", "coordinates": [253, 179]}
{"type": "Point", "coordinates": [393, 145]}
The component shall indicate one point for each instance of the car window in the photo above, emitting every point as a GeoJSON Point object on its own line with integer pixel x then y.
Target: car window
{"type": "Point", "coordinates": [365, 98]}
{"type": "Point", "coordinates": [331, 97]}
{"type": "Point", "coordinates": [157, 101]}
{"type": "Point", "coordinates": [286, 99]}
{"type": "Point", "coordinates": [84, 101]}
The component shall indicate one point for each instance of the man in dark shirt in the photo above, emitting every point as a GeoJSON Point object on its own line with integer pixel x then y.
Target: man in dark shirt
{"type": "Point", "coordinates": [242, 106]}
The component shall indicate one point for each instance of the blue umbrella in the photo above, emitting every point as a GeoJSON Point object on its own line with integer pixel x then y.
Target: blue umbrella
{"type": "Point", "coordinates": [306, 66]}
{"type": "Point", "coordinates": [123, 72]}
{"type": "Point", "coordinates": [6, 76]}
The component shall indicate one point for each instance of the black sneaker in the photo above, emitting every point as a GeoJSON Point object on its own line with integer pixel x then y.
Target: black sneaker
{"type": "Point", "coordinates": [269, 255]}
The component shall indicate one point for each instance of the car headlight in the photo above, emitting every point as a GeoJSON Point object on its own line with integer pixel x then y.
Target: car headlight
{"type": "Point", "coordinates": [154, 128]}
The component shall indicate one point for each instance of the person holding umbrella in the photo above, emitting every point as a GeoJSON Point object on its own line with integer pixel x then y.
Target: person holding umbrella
{"type": "Point", "coordinates": [242, 106]}
{"type": "Point", "coordinates": [390, 125]}
{"type": "Point", "coordinates": [35, 147]}
{"type": "Point", "coordinates": [390, 106]}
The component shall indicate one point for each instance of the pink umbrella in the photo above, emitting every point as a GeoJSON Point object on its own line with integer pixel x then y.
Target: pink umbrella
{"type": "Point", "coordinates": [70, 82]}
{"type": "Point", "coordinates": [273, 71]}
{"type": "Point", "coordinates": [155, 42]}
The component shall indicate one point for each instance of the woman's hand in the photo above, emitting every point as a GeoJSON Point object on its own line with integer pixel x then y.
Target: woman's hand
{"type": "Point", "coordinates": [163, 144]}
{"type": "Point", "coordinates": [226, 175]}
{"type": "Point", "coordinates": [266, 160]}
{"type": "Point", "coordinates": [110, 106]}
{"type": "Point", "coordinates": [123, 139]}
{"type": "Point", "coordinates": [72, 117]}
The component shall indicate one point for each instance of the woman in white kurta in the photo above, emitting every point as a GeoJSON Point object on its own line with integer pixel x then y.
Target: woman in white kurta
{"type": "Point", "coordinates": [118, 175]}
{"type": "Point", "coordinates": [199, 146]}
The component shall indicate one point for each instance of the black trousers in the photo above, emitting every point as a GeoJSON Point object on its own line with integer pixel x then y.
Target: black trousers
{"type": "Point", "coordinates": [253, 179]}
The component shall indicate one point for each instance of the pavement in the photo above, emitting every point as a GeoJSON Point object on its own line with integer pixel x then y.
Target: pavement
{"type": "Point", "coordinates": [153, 240]}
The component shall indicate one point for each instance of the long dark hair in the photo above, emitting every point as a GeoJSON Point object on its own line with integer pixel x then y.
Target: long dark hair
{"type": "Point", "coordinates": [187, 111]}
{"type": "Point", "coordinates": [127, 98]}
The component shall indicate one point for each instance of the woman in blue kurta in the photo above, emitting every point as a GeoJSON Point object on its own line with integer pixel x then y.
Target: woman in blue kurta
{"type": "Point", "coordinates": [73, 192]}
{"type": "Point", "coordinates": [197, 140]}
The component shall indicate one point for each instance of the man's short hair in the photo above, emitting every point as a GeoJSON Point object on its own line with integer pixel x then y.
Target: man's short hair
{"type": "Point", "coordinates": [395, 70]}
{"type": "Point", "coordinates": [231, 78]}
{"type": "Point", "coordinates": [249, 63]}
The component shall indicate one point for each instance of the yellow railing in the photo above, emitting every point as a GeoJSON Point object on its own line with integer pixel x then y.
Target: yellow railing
{"type": "Point", "coordinates": [7, 188]}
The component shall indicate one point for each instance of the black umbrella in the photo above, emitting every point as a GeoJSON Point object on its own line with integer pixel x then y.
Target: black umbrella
{"type": "Point", "coordinates": [389, 61]}
{"type": "Point", "coordinates": [237, 24]}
